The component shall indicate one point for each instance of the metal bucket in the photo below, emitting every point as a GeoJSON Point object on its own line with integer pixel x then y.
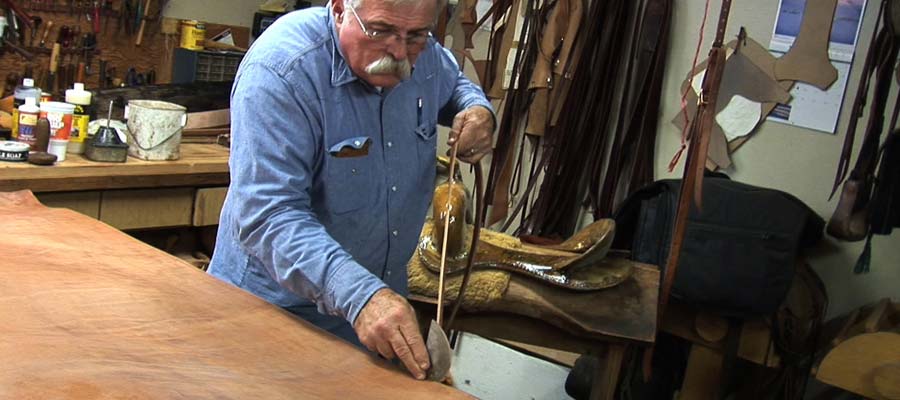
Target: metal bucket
{"type": "Point", "coordinates": [154, 129]}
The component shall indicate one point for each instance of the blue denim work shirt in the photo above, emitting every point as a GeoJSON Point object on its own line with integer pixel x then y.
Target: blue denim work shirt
{"type": "Point", "coordinates": [301, 224]}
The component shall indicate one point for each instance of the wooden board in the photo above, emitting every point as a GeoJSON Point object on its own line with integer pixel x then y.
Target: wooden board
{"type": "Point", "coordinates": [147, 208]}
{"type": "Point", "coordinates": [859, 364]}
{"type": "Point", "coordinates": [626, 312]}
{"type": "Point", "coordinates": [87, 203]}
{"type": "Point", "coordinates": [208, 206]}
{"type": "Point", "coordinates": [702, 379]}
{"type": "Point", "coordinates": [89, 313]}
{"type": "Point", "coordinates": [200, 165]}
{"type": "Point", "coordinates": [755, 342]}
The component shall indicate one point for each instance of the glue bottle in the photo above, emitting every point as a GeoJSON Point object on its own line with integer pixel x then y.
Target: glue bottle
{"type": "Point", "coordinates": [81, 99]}
{"type": "Point", "coordinates": [26, 121]}
{"type": "Point", "coordinates": [23, 91]}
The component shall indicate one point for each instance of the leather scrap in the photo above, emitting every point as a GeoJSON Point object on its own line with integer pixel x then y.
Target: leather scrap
{"type": "Point", "coordinates": [807, 60]}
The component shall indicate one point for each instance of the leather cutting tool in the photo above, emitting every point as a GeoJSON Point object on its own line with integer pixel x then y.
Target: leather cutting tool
{"type": "Point", "coordinates": [437, 343]}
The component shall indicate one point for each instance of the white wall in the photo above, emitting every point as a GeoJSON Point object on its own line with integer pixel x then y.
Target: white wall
{"type": "Point", "coordinates": [225, 12]}
{"type": "Point", "coordinates": [796, 160]}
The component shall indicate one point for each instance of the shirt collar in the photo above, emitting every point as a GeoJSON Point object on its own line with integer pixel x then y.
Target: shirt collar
{"type": "Point", "coordinates": [341, 74]}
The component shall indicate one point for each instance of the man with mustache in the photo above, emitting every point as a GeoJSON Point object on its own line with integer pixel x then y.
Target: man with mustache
{"type": "Point", "coordinates": [334, 114]}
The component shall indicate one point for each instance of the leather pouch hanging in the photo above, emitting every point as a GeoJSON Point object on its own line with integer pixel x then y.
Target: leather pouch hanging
{"type": "Point", "coordinates": [849, 219]}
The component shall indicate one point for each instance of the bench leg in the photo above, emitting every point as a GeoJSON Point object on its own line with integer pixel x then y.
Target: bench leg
{"type": "Point", "coordinates": [606, 378]}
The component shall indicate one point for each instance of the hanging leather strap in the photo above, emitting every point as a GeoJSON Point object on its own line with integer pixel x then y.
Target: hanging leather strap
{"type": "Point", "coordinates": [630, 154]}
{"type": "Point", "coordinates": [859, 103]}
{"type": "Point", "coordinates": [692, 181]}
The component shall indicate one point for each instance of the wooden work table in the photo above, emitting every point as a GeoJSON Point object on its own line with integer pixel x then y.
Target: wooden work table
{"type": "Point", "coordinates": [136, 194]}
{"type": "Point", "coordinates": [199, 165]}
{"type": "Point", "coordinates": [87, 312]}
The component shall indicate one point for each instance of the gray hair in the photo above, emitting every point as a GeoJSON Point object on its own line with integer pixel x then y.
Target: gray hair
{"type": "Point", "coordinates": [359, 3]}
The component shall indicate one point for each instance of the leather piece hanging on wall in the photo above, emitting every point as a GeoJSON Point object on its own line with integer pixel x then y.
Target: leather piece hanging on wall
{"type": "Point", "coordinates": [542, 78]}
{"type": "Point", "coordinates": [505, 53]}
{"type": "Point", "coordinates": [766, 62]}
{"type": "Point", "coordinates": [744, 77]}
{"type": "Point", "coordinates": [808, 61]}
{"type": "Point", "coordinates": [630, 165]}
{"type": "Point", "coordinates": [574, 148]}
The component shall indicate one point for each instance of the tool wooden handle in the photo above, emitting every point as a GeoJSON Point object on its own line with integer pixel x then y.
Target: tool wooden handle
{"type": "Point", "coordinates": [54, 57]}
{"type": "Point", "coordinates": [140, 36]}
{"type": "Point", "coordinates": [79, 73]}
{"type": "Point", "coordinates": [47, 29]}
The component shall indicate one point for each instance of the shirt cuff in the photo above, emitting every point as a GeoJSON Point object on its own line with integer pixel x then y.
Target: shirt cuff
{"type": "Point", "coordinates": [351, 286]}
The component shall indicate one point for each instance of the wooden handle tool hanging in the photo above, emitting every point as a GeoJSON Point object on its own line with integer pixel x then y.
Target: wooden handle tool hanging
{"type": "Point", "coordinates": [140, 35]}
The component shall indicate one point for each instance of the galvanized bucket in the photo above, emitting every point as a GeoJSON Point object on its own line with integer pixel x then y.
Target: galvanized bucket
{"type": "Point", "coordinates": [154, 129]}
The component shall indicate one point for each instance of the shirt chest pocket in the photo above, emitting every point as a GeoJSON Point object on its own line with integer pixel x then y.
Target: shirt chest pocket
{"type": "Point", "coordinates": [348, 186]}
{"type": "Point", "coordinates": [426, 147]}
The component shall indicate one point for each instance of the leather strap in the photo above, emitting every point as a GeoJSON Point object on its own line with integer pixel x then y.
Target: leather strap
{"type": "Point", "coordinates": [692, 181]}
{"type": "Point", "coordinates": [859, 103]}
{"type": "Point", "coordinates": [473, 247]}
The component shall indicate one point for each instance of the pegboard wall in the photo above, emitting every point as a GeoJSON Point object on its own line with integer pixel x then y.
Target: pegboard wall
{"type": "Point", "coordinates": [115, 32]}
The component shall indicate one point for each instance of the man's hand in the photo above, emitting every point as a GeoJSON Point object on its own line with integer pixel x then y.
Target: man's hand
{"type": "Point", "coordinates": [387, 325]}
{"type": "Point", "coordinates": [474, 129]}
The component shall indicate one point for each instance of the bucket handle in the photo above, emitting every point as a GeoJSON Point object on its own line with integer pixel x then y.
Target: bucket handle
{"type": "Point", "coordinates": [132, 139]}
{"type": "Point", "coordinates": [137, 143]}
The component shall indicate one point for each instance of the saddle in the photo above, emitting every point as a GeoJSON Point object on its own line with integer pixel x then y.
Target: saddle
{"type": "Point", "coordinates": [574, 264]}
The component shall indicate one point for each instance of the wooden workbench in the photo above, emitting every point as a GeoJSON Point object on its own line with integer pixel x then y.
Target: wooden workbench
{"type": "Point", "coordinates": [605, 323]}
{"type": "Point", "coordinates": [87, 312]}
{"type": "Point", "coordinates": [136, 194]}
{"type": "Point", "coordinates": [199, 165]}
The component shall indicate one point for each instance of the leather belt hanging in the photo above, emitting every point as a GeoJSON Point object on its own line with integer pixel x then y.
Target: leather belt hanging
{"type": "Point", "coordinates": [575, 148]}
{"type": "Point", "coordinates": [631, 159]}
{"type": "Point", "coordinates": [692, 182]}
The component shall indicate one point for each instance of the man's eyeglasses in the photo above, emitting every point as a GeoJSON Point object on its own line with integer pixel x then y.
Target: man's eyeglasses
{"type": "Point", "coordinates": [417, 38]}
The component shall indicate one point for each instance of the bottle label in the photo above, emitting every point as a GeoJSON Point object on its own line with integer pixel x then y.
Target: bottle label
{"type": "Point", "coordinates": [15, 123]}
{"type": "Point", "coordinates": [60, 124]}
{"type": "Point", "coordinates": [79, 128]}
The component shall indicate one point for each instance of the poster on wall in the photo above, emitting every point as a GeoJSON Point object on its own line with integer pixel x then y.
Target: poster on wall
{"type": "Point", "coordinates": [812, 107]}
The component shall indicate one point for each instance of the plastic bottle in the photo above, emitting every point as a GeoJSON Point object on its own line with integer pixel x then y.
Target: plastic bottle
{"type": "Point", "coordinates": [60, 117]}
{"type": "Point", "coordinates": [26, 122]}
{"type": "Point", "coordinates": [23, 91]}
{"type": "Point", "coordinates": [81, 99]}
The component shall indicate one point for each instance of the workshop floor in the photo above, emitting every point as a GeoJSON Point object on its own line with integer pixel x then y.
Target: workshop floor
{"type": "Point", "coordinates": [491, 371]}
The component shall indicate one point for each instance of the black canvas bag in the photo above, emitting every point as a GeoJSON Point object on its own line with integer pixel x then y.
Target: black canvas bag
{"type": "Point", "coordinates": [739, 252]}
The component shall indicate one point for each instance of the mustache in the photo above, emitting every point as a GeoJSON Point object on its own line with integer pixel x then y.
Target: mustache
{"type": "Point", "coordinates": [389, 65]}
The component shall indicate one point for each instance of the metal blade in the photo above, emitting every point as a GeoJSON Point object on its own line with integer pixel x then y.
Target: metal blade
{"type": "Point", "coordinates": [439, 352]}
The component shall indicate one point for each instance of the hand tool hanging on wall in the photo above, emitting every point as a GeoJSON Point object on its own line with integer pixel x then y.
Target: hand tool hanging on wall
{"type": "Point", "coordinates": [54, 65]}
{"type": "Point", "coordinates": [14, 8]}
{"type": "Point", "coordinates": [34, 30]}
{"type": "Point", "coordinates": [142, 13]}
{"type": "Point", "coordinates": [47, 30]}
